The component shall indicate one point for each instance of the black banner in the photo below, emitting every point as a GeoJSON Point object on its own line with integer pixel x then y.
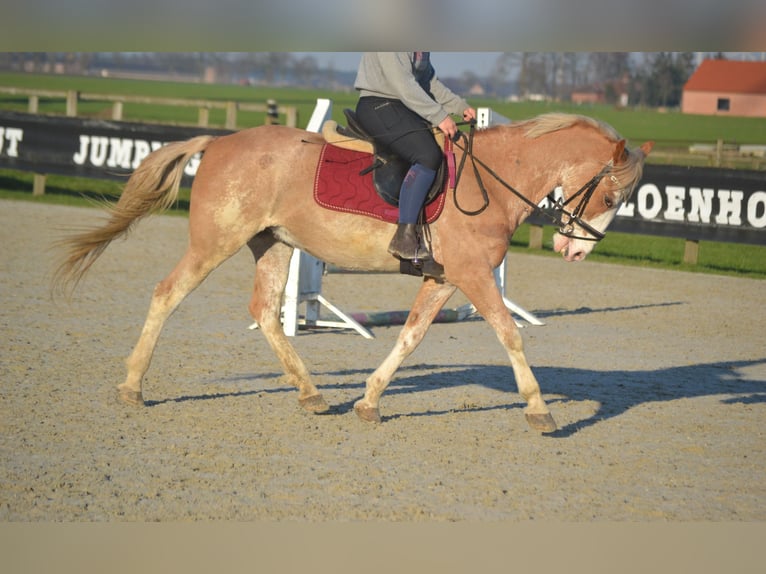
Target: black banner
{"type": "Point", "coordinates": [101, 149]}
{"type": "Point", "coordinates": [697, 203]}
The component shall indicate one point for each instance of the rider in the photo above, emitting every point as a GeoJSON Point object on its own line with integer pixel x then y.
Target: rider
{"type": "Point", "coordinates": [400, 100]}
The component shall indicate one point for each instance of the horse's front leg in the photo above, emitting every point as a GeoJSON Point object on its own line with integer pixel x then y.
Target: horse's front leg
{"type": "Point", "coordinates": [430, 299]}
{"type": "Point", "coordinates": [482, 291]}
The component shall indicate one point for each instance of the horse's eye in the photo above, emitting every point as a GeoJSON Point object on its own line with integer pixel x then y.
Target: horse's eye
{"type": "Point", "coordinates": [608, 201]}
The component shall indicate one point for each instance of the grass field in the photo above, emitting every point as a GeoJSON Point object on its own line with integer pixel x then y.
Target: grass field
{"type": "Point", "coordinates": [672, 131]}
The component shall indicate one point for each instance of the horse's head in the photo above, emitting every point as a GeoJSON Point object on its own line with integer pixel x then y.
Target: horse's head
{"type": "Point", "coordinates": [585, 213]}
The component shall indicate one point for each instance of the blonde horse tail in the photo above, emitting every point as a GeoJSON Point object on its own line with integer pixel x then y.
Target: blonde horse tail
{"type": "Point", "coordinates": [152, 188]}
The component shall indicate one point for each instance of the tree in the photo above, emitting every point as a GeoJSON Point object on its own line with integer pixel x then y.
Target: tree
{"type": "Point", "coordinates": [533, 75]}
{"type": "Point", "coordinates": [662, 80]}
{"type": "Point", "coordinates": [498, 76]}
{"type": "Point", "coordinates": [468, 79]}
{"type": "Point", "coordinates": [552, 74]}
{"type": "Point", "coordinates": [305, 70]}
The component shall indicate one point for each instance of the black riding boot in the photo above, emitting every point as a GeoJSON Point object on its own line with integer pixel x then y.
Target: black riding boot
{"type": "Point", "coordinates": [407, 243]}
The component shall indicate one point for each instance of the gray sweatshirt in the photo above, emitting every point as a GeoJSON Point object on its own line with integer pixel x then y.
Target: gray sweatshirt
{"type": "Point", "coordinates": [391, 75]}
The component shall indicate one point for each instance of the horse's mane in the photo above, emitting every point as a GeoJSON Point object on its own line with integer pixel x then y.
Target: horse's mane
{"type": "Point", "coordinates": [628, 171]}
{"type": "Point", "coordinates": [552, 122]}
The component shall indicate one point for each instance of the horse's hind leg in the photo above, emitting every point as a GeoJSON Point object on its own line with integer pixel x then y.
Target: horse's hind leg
{"type": "Point", "coordinates": [272, 266]}
{"type": "Point", "coordinates": [430, 299]}
{"type": "Point", "coordinates": [168, 294]}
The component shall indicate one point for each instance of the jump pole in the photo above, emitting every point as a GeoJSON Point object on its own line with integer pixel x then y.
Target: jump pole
{"type": "Point", "coordinates": [304, 281]}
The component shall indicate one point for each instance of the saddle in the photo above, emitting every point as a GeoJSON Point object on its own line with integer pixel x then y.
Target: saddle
{"type": "Point", "coordinates": [388, 169]}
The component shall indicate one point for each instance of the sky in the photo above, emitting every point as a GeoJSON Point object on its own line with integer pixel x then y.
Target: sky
{"type": "Point", "coordinates": [518, 25]}
{"type": "Point", "coordinates": [453, 64]}
{"type": "Point", "coordinates": [447, 64]}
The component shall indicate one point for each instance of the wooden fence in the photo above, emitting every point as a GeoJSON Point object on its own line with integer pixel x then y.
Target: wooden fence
{"type": "Point", "coordinates": [719, 154]}
{"type": "Point", "coordinates": [73, 97]}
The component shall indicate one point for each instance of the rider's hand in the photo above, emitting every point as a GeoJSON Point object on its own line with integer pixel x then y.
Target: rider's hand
{"type": "Point", "coordinates": [448, 127]}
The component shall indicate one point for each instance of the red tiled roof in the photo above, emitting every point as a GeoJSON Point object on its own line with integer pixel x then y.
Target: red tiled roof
{"type": "Point", "coordinates": [728, 76]}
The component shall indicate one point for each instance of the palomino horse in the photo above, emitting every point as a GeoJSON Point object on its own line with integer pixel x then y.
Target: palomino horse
{"type": "Point", "coordinates": [254, 187]}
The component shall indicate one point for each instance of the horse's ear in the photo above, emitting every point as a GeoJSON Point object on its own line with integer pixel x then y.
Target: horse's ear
{"type": "Point", "coordinates": [619, 152]}
{"type": "Point", "coordinates": [647, 147]}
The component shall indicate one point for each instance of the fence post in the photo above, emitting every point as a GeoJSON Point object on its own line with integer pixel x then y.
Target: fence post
{"type": "Point", "coordinates": [691, 251]}
{"type": "Point", "coordinates": [272, 113]}
{"type": "Point", "coordinates": [231, 115]}
{"type": "Point", "coordinates": [718, 152]}
{"type": "Point", "coordinates": [38, 184]}
{"type": "Point", "coordinates": [71, 103]}
{"type": "Point", "coordinates": [535, 236]}
{"type": "Point", "coordinates": [34, 104]}
{"type": "Point", "coordinates": [117, 111]}
{"type": "Point", "coordinates": [292, 117]}
{"type": "Point", "coordinates": [204, 117]}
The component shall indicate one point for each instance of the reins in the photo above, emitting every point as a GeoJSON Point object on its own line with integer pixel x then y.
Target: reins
{"type": "Point", "coordinates": [556, 214]}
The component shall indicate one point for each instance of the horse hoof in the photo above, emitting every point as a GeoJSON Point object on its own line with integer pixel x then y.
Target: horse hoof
{"type": "Point", "coordinates": [367, 414]}
{"type": "Point", "coordinates": [130, 397]}
{"type": "Point", "coordinates": [543, 423]}
{"type": "Point", "coordinates": [314, 404]}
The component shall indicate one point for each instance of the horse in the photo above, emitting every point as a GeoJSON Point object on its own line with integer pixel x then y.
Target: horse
{"type": "Point", "coordinates": [254, 187]}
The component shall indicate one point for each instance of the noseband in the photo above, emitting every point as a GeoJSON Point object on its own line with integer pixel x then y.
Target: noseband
{"type": "Point", "coordinates": [559, 212]}
{"type": "Point", "coordinates": [559, 215]}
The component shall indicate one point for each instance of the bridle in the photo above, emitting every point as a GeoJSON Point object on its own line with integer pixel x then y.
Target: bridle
{"type": "Point", "coordinates": [565, 219]}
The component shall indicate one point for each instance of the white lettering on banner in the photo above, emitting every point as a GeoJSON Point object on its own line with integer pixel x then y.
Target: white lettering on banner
{"type": "Point", "coordinates": [650, 202]}
{"type": "Point", "coordinates": [13, 136]}
{"type": "Point", "coordinates": [702, 204]}
{"type": "Point", "coordinates": [755, 205]}
{"type": "Point", "coordinates": [93, 150]}
{"type": "Point", "coordinates": [193, 164]}
{"type": "Point", "coordinates": [558, 193]}
{"type": "Point", "coordinates": [730, 207]}
{"type": "Point", "coordinates": [124, 153]}
{"type": "Point", "coordinates": [80, 157]}
{"type": "Point", "coordinates": [119, 152]}
{"type": "Point", "coordinates": [675, 210]}
{"type": "Point", "coordinates": [98, 148]}
{"type": "Point", "coordinates": [649, 191]}
{"type": "Point", "coordinates": [627, 210]}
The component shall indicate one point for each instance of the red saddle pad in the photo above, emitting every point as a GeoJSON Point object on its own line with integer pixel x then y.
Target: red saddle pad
{"type": "Point", "coordinates": [338, 186]}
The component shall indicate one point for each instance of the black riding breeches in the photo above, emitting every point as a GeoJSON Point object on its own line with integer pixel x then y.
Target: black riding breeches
{"type": "Point", "coordinates": [396, 127]}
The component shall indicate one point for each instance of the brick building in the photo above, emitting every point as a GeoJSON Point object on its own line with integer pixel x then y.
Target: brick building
{"type": "Point", "coordinates": [726, 87]}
